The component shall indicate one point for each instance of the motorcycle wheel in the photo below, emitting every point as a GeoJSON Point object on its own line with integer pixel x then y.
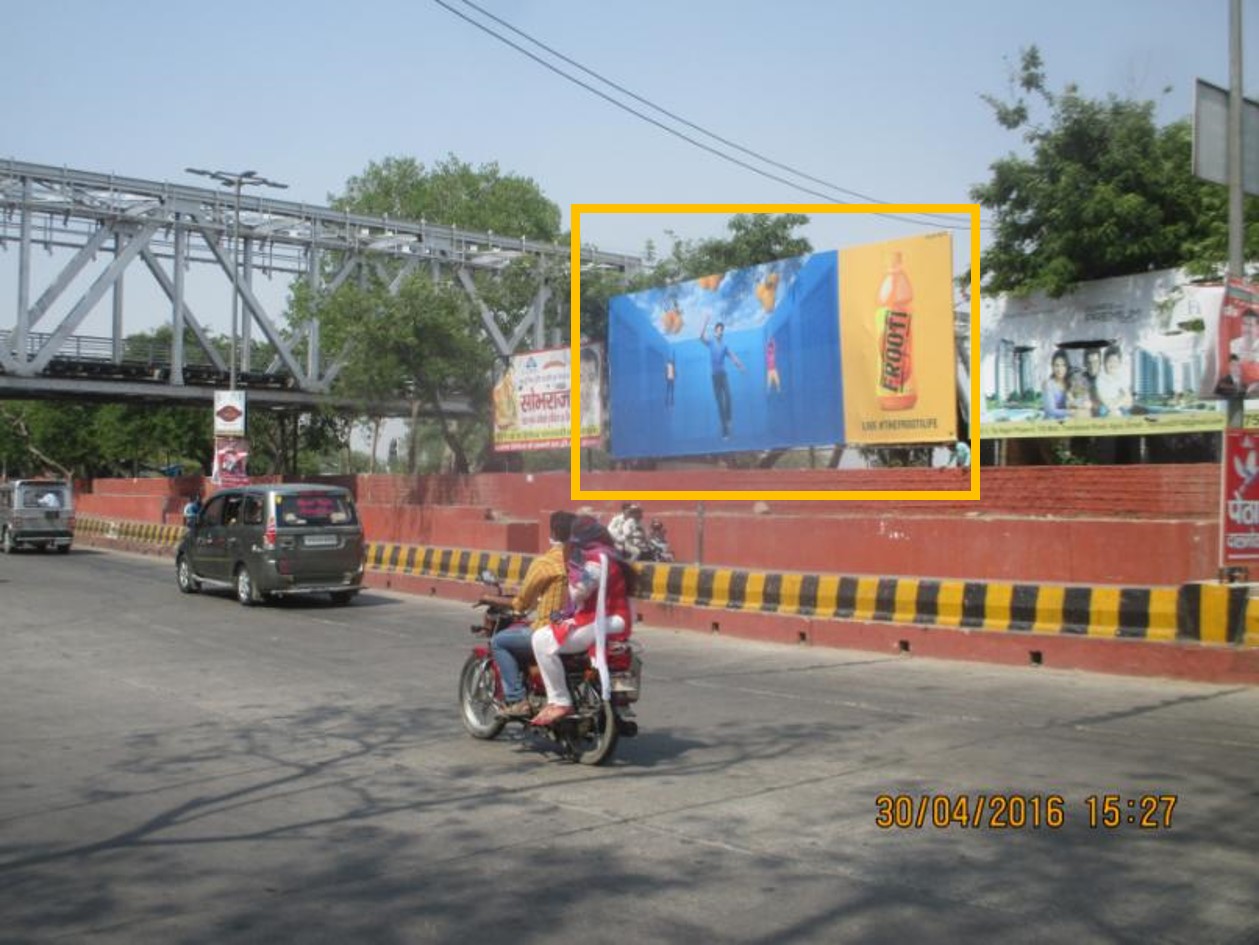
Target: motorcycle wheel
{"type": "Point", "coordinates": [590, 740]}
{"type": "Point", "coordinates": [476, 699]}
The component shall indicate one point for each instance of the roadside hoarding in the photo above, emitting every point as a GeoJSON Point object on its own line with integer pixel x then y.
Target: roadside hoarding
{"type": "Point", "coordinates": [1239, 498]}
{"type": "Point", "coordinates": [229, 413]}
{"type": "Point", "coordinates": [1128, 355]}
{"type": "Point", "coordinates": [899, 357]}
{"type": "Point", "coordinates": [532, 400]}
{"type": "Point", "coordinates": [741, 360]}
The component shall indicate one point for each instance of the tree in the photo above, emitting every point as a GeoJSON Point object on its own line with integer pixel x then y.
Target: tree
{"type": "Point", "coordinates": [1104, 192]}
{"type": "Point", "coordinates": [427, 343]}
{"type": "Point", "coordinates": [455, 194]}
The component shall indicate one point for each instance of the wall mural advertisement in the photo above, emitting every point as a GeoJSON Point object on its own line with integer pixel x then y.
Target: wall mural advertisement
{"type": "Point", "coordinates": [899, 364]}
{"type": "Point", "coordinates": [742, 360]}
{"type": "Point", "coordinates": [532, 400]}
{"type": "Point", "coordinates": [1129, 355]}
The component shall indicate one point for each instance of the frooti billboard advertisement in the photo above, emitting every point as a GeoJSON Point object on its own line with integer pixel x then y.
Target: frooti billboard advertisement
{"type": "Point", "coordinates": [532, 400]}
{"type": "Point", "coordinates": [899, 362]}
{"type": "Point", "coordinates": [1127, 355]}
{"type": "Point", "coordinates": [744, 360]}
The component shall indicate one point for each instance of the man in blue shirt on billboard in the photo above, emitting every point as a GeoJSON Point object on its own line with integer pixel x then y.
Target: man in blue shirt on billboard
{"type": "Point", "coordinates": [718, 351]}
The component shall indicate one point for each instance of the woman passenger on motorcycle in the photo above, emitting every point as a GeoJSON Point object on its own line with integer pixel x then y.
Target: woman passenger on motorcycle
{"type": "Point", "coordinates": [599, 585]}
{"type": "Point", "coordinates": [546, 588]}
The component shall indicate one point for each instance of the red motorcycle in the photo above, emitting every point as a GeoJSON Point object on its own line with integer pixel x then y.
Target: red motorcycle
{"type": "Point", "coordinates": [590, 734]}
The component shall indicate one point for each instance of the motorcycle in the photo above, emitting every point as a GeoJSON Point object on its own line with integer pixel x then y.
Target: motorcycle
{"type": "Point", "coordinates": [590, 734]}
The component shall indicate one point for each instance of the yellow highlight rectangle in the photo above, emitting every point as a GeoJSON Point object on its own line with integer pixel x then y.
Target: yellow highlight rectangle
{"type": "Point", "coordinates": [944, 495]}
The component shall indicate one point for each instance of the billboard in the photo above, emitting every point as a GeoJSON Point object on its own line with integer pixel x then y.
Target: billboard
{"type": "Point", "coordinates": [532, 400]}
{"type": "Point", "coordinates": [742, 360]}
{"type": "Point", "coordinates": [899, 360]}
{"type": "Point", "coordinates": [1128, 355]}
{"type": "Point", "coordinates": [231, 461]}
{"type": "Point", "coordinates": [1239, 534]}
{"type": "Point", "coordinates": [1232, 362]}
{"type": "Point", "coordinates": [229, 413]}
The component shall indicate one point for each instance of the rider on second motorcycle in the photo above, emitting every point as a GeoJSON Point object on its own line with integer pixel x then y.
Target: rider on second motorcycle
{"type": "Point", "coordinates": [546, 588]}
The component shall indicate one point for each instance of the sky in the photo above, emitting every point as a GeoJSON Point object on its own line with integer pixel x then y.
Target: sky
{"type": "Point", "coordinates": [882, 99]}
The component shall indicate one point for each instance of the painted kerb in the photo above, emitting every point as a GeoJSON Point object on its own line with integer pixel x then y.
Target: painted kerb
{"type": "Point", "coordinates": [1211, 614]}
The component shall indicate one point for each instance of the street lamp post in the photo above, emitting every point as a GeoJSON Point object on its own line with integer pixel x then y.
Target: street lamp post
{"type": "Point", "coordinates": [236, 181]}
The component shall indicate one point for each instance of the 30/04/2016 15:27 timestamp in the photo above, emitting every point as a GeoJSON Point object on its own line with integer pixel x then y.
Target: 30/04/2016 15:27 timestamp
{"type": "Point", "coordinates": [1022, 811]}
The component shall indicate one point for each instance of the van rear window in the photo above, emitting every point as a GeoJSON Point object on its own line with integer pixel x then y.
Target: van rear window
{"type": "Point", "coordinates": [313, 508]}
{"type": "Point", "coordinates": [44, 497]}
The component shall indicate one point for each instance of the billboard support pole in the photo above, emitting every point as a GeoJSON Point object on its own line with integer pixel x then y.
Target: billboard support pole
{"type": "Point", "coordinates": [699, 532]}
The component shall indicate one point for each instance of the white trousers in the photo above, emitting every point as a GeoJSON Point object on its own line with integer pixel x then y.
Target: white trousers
{"type": "Point", "coordinates": [547, 650]}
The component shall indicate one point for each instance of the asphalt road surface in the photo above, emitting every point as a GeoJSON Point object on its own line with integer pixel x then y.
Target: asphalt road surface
{"type": "Point", "coordinates": [180, 769]}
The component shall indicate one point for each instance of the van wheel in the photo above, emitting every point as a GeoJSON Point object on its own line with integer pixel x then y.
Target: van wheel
{"type": "Point", "coordinates": [188, 582]}
{"type": "Point", "coordinates": [246, 592]}
{"type": "Point", "coordinates": [6, 541]}
{"type": "Point", "coordinates": [341, 598]}
{"type": "Point", "coordinates": [63, 549]}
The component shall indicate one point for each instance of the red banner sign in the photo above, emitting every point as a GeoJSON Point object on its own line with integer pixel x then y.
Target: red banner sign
{"type": "Point", "coordinates": [1239, 498]}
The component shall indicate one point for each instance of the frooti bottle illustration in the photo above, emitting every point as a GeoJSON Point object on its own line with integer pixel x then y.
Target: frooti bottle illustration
{"type": "Point", "coordinates": [893, 325]}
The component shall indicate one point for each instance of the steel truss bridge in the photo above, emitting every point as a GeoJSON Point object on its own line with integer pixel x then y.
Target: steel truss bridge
{"type": "Point", "coordinates": [91, 223]}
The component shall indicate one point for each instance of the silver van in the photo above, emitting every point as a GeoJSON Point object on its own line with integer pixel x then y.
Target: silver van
{"type": "Point", "coordinates": [36, 513]}
{"type": "Point", "coordinates": [270, 540]}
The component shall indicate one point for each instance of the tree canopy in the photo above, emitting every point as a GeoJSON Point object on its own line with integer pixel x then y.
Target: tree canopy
{"type": "Point", "coordinates": [452, 193]}
{"type": "Point", "coordinates": [425, 342]}
{"type": "Point", "coordinates": [1103, 192]}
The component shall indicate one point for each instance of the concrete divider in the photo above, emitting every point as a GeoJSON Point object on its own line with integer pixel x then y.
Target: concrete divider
{"type": "Point", "coordinates": [1214, 615]}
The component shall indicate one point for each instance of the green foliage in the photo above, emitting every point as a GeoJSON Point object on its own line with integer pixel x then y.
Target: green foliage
{"type": "Point", "coordinates": [427, 343]}
{"type": "Point", "coordinates": [453, 193]}
{"type": "Point", "coordinates": [103, 439]}
{"type": "Point", "coordinates": [1104, 192]}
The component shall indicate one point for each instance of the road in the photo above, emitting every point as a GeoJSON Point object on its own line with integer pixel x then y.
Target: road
{"type": "Point", "coordinates": [179, 769]}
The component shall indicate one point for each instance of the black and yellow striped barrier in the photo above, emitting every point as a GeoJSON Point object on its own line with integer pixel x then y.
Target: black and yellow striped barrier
{"type": "Point", "coordinates": [1206, 613]}
{"type": "Point", "coordinates": [1210, 613]}
{"type": "Point", "coordinates": [122, 530]}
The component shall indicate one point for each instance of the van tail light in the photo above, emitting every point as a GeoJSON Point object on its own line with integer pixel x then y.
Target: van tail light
{"type": "Point", "coordinates": [268, 536]}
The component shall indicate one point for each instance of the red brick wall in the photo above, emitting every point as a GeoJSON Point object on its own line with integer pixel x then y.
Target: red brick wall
{"type": "Point", "coordinates": [1105, 524]}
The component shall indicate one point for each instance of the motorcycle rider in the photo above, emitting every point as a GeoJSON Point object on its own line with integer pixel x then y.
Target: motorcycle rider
{"type": "Point", "coordinates": [546, 588]}
{"type": "Point", "coordinates": [658, 542]}
{"type": "Point", "coordinates": [600, 584]}
{"type": "Point", "coordinates": [627, 532]}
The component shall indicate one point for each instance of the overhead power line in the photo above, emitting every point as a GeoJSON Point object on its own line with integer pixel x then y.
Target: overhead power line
{"type": "Point", "coordinates": [940, 219]}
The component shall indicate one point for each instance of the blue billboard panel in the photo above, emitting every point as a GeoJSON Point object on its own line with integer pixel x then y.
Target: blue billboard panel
{"type": "Point", "coordinates": [744, 360]}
